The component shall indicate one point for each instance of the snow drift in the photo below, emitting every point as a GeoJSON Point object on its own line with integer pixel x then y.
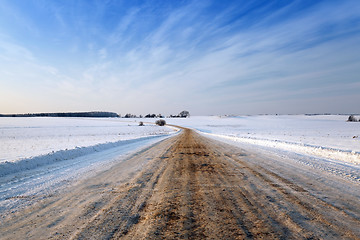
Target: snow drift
{"type": "Point", "coordinates": [38, 161]}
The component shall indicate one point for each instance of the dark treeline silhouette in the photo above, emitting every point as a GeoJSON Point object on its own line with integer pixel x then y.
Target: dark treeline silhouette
{"type": "Point", "coordinates": [65, 114]}
{"type": "Point", "coordinates": [154, 115]}
{"type": "Point", "coordinates": [183, 114]}
{"type": "Point", "coordinates": [129, 115]}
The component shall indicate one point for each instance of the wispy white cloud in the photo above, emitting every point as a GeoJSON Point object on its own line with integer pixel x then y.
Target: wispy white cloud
{"type": "Point", "coordinates": [187, 56]}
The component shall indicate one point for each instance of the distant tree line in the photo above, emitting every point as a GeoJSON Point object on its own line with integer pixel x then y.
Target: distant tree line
{"type": "Point", "coordinates": [65, 114]}
{"type": "Point", "coordinates": [183, 114]}
{"type": "Point", "coordinates": [154, 115]}
{"type": "Point", "coordinates": [129, 115]}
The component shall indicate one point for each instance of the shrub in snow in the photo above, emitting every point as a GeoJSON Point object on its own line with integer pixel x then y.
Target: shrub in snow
{"type": "Point", "coordinates": [352, 119]}
{"type": "Point", "coordinates": [141, 124]}
{"type": "Point", "coordinates": [160, 122]}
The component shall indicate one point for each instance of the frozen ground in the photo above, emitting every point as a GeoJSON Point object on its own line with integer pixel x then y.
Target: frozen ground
{"type": "Point", "coordinates": [327, 136]}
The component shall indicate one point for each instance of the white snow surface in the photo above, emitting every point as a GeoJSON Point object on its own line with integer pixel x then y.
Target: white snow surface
{"type": "Point", "coordinates": [326, 136]}
{"type": "Point", "coordinates": [27, 143]}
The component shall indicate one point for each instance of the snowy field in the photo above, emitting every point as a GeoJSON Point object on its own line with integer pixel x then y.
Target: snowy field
{"type": "Point", "coordinates": [26, 143]}
{"type": "Point", "coordinates": [328, 136]}
{"type": "Point", "coordinates": [29, 142]}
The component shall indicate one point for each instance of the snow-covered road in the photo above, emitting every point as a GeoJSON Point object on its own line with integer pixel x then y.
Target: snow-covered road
{"type": "Point", "coordinates": [326, 143]}
{"type": "Point", "coordinates": [345, 170]}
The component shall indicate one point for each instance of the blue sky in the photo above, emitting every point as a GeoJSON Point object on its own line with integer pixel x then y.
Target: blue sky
{"type": "Point", "coordinates": [208, 57]}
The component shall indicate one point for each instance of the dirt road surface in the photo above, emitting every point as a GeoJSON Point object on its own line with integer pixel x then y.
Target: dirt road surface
{"type": "Point", "coordinates": [191, 187]}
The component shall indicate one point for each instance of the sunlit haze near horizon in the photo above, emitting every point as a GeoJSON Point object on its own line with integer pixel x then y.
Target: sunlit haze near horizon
{"type": "Point", "coordinates": [207, 57]}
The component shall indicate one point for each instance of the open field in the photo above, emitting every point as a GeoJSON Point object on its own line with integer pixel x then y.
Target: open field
{"type": "Point", "coordinates": [25, 138]}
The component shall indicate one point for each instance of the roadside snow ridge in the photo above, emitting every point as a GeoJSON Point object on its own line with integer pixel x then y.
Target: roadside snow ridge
{"type": "Point", "coordinates": [61, 155]}
{"type": "Point", "coordinates": [320, 151]}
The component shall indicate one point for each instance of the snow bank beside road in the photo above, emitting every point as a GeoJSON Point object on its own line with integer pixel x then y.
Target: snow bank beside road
{"type": "Point", "coordinates": [27, 187]}
{"type": "Point", "coordinates": [28, 143]}
{"type": "Point", "coordinates": [24, 138]}
{"type": "Point", "coordinates": [335, 154]}
{"type": "Point", "coordinates": [38, 161]}
{"type": "Point", "coordinates": [327, 136]}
